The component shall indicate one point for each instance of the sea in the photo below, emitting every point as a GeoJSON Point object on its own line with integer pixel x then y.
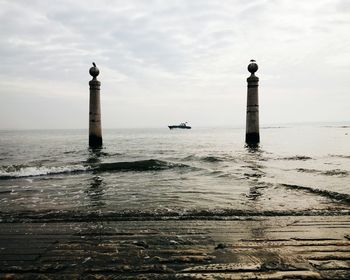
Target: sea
{"type": "Point", "coordinates": [158, 174]}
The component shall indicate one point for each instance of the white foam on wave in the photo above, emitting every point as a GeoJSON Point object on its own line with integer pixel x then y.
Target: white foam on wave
{"type": "Point", "coordinates": [41, 170]}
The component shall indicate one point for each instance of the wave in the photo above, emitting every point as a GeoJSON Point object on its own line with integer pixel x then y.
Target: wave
{"type": "Point", "coordinates": [157, 214]}
{"type": "Point", "coordinates": [211, 159]}
{"type": "Point", "coordinates": [307, 170]}
{"type": "Point", "coordinates": [296, 158]}
{"type": "Point", "coordinates": [337, 126]}
{"type": "Point", "coordinates": [333, 172]}
{"type": "Point", "coordinates": [140, 165]}
{"type": "Point", "coordinates": [333, 195]}
{"type": "Point", "coordinates": [340, 156]}
{"type": "Point", "coordinates": [20, 171]}
{"type": "Point", "coordinates": [205, 158]}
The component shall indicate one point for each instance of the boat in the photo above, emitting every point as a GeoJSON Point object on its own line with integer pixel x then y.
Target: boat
{"type": "Point", "coordinates": [181, 125]}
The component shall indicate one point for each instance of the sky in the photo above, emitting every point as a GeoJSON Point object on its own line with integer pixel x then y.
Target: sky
{"type": "Point", "coordinates": [168, 61]}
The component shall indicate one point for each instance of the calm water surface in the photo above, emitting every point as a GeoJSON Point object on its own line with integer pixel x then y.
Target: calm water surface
{"type": "Point", "coordinates": [179, 173]}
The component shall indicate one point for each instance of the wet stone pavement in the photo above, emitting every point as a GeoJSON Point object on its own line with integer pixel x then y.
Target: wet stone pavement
{"type": "Point", "coordinates": [289, 247]}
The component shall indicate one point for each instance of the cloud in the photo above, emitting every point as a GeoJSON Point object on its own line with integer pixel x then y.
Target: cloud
{"type": "Point", "coordinates": [166, 52]}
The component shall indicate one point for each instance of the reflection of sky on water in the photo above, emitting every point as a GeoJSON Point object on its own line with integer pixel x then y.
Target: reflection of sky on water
{"type": "Point", "coordinates": [95, 191]}
{"type": "Point", "coordinates": [213, 170]}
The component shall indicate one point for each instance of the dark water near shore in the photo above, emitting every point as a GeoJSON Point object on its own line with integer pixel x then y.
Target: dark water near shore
{"type": "Point", "coordinates": [157, 173]}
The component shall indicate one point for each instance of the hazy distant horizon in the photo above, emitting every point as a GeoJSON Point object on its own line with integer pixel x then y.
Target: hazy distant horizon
{"type": "Point", "coordinates": [262, 126]}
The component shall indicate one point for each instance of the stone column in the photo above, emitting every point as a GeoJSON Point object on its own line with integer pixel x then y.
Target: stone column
{"type": "Point", "coordinates": [95, 130]}
{"type": "Point", "coordinates": [252, 135]}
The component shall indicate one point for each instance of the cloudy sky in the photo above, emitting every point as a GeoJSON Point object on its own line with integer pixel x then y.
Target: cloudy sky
{"type": "Point", "coordinates": [168, 61]}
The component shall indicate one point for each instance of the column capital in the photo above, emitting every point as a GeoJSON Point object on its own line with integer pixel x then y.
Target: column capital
{"type": "Point", "coordinates": [95, 84]}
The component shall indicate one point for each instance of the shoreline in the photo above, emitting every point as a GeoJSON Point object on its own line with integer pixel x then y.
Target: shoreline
{"type": "Point", "coordinates": [62, 216]}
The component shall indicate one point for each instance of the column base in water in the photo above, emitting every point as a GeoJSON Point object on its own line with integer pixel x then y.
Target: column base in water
{"type": "Point", "coordinates": [252, 138]}
{"type": "Point", "coordinates": [95, 141]}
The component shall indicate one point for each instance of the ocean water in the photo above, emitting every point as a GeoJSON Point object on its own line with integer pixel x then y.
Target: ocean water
{"type": "Point", "coordinates": [201, 173]}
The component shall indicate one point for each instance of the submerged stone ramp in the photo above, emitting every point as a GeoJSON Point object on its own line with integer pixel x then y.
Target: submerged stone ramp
{"type": "Point", "coordinates": [289, 247]}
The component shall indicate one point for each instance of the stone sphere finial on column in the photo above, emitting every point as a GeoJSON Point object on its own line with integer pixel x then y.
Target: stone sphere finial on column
{"type": "Point", "coordinates": [252, 67]}
{"type": "Point", "coordinates": [94, 71]}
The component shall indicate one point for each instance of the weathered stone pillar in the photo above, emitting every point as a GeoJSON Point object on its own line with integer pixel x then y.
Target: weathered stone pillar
{"type": "Point", "coordinates": [95, 130]}
{"type": "Point", "coordinates": [252, 135]}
